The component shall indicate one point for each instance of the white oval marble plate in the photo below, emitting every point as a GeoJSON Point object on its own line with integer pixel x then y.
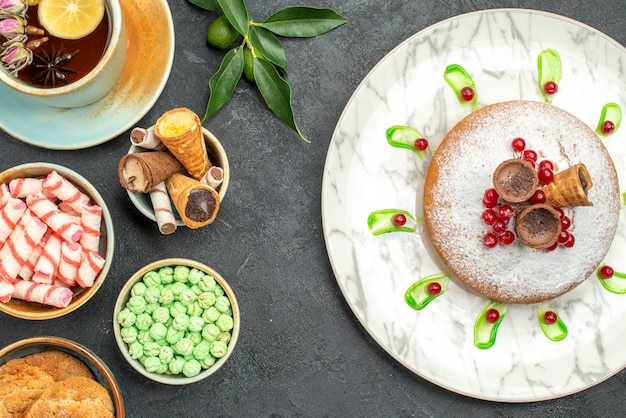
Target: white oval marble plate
{"type": "Point", "coordinates": [149, 60]}
{"type": "Point", "coordinates": [363, 173]}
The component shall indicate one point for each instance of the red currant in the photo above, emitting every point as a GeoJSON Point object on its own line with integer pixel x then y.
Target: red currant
{"type": "Point", "coordinates": [565, 223]}
{"type": "Point", "coordinates": [421, 144]}
{"type": "Point", "coordinates": [529, 155]}
{"type": "Point", "coordinates": [550, 87]}
{"type": "Point", "coordinates": [505, 212]}
{"type": "Point", "coordinates": [606, 272]}
{"type": "Point", "coordinates": [545, 175]}
{"type": "Point", "coordinates": [538, 197]}
{"type": "Point", "coordinates": [559, 211]}
{"type": "Point", "coordinates": [507, 238]}
{"type": "Point", "coordinates": [518, 144]}
{"type": "Point", "coordinates": [492, 316]}
{"type": "Point", "coordinates": [434, 288]}
{"type": "Point", "coordinates": [490, 240]}
{"type": "Point", "coordinates": [552, 247]}
{"type": "Point", "coordinates": [546, 164]}
{"type": "Point", "coordinates": [608, 127]}
{"type": "Point", "coordinates": [490, 198]}
{"type": "Point", "coordinates": [570, 241]}
{"type": "Point", "coordinates": [467, 94]}
{"type": "Point", "coordinates": [489, 215]}
{"type": "Point", "coordinates": [531, 163]}
{"type": "Point", "coordinates": [498, 226]}
{"type": "Point", "coordinates": [549, 317]}
{"type": "Point", "coordinates": [399, 219]}
{"type": "Point", "coordinates": [563, 237]}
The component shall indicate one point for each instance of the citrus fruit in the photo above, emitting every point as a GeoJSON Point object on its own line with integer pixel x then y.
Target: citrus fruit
{"type": "Point", "coordinates": [248, 65]}
{"type": "Point", "coordinates": [70, 19]}
{"type": "Point", "coordinates": [221, 33]}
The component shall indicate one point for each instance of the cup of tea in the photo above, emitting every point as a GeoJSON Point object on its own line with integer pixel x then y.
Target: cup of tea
{"type": "Point", "coordinates": [61, 61]}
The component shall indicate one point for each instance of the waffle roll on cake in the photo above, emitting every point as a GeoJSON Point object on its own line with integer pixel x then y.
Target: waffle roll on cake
{"type": "Point", "coordinates": [462, 169]}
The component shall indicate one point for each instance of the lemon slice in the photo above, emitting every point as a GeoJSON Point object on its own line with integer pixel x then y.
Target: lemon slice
{"type": "Point", "coordinates": [70, 19]}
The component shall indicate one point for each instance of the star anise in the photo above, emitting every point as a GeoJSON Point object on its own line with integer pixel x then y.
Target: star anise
{"type": "Point", "coordinates": [53, 67]}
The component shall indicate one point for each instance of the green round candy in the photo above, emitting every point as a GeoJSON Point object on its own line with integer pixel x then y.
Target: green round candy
{"type": "Point", "coordinates": [166, 354]}
{"type": "Point", "coordinates": [210, 332]}
{"type": "Point", "coordinates": [151, 349]}
{"type": "Point", "coordinates": [194, 309]}
{"type": "Point", "coordinates": [167, 296]}
{"type": "Point", "coordinates": [161, 315]}
{"type": "Point", "coordinates": [176, 365]}
{"type": "Point", "coordinates": [126, 318]}
{"type": "Point", "coordinates": [207, 284]}
{"type": "Point", "coordinates": [207, 362]}
{"type": "Point", "coordinates": [184, 347]}
{"type": "Point", "coordinates": [196, 323]}
{"type": "Point", "coordinates": [143, 336]}
{"type": "Point", "coordinates": [129, 334]}
{"type": "Point", "coordinates": [195, 276]}
{"type": "Point", "coordinates": [225, 323]}
{"type": "Point", "coordinates": [143, 321]}
{"type": "Point", "coordinates": [138, 289]}
{"type": "Point", "coordinates": [222, 304]}
{"type": "Point", "coordinates": [187, 297]}
{"type": "Point", "coordinates": [202, 350]}
{"type": "Point", "coordinates": [181, 322]}
{"type": "Point", "coordinates": [152, 294]}
{"type": "Point", "coordinates": [206, 299]}
{"type": "Point", "coordinates": [174, 335]}
{"type": "Point", "coordinates": [135, 350]}
{"type": "Point", "coordinates": [181, 273]}
{"type": "Point", "coordinates": [136, 304]}
{"type": "Point", "coordinates": [224, 336]}
{"type": "Point", "coordinates": [158, 331]}
{"type": "Point", "coordinates": [152, 364]}
{"type": "Point", "coordinates": [177, 288]}
{"type": "Point", "coordinates": [211, 314]}
{"type": "Point", "coordinates": [218, 290]}
{"type": "Point", "coordinates": [166, 274]}
{"type": "Point", "coordinates": [152, 278]}
{"type": "Point", "coordinates": [192, 368]}
{"type": "Point", "coordinates": [218, 349]}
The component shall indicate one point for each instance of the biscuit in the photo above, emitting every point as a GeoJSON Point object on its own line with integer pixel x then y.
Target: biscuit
{"type": "Point", "coordinates": [20, 385]}
{"type": "Point", "coordinates": [73, 397]}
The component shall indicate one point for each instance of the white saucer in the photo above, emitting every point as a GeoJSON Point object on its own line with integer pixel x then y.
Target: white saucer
{"type": "Point", "coordinates": [144, 76]}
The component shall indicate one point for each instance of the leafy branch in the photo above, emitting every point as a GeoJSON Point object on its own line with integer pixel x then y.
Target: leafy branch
{"type": "Point", "coordinates": [268, 69]}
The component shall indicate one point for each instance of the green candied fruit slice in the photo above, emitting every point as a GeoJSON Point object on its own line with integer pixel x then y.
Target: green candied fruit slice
{"type": "Point", "coordinates": [417, 295]}
{"type": "Point", "coordinates": [555, 331]}
{"type": "Point", "coordinates": [484, 331]}
{"type": "Point", "coordinates": [611, 112]}
{"type": "Point", "coordinates": [401, 136]}
{"type": "Point", "coordinates": [548, 69]}
{"type": "Point", "coordinates": [384, 221]}
{"type": "Point", "coordinates": [615, 284]}
{"type": "Point", "coordinates": [458, 79]}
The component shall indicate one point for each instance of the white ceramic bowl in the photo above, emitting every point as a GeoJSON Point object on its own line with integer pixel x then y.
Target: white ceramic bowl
{"type": "Point", "coordinates": [177, 379]}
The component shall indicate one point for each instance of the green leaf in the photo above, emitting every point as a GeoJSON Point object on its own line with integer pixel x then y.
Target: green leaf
{"type": "Point", "coordinates": [206, 4]}
{"type": "Point", "coordinates": [303, 22]}
{"type": "Point", "coordinates": [269, 45]}
{"type": "Point", "coordinates": [237, 14]}
{"type": "Point", "coordinates": [276, 92]}
{"type": "Point", "coordinates": [223, 83]}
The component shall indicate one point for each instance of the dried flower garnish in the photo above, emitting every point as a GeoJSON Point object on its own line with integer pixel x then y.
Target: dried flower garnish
{"type": "Point", "coordinates": [53, 67]}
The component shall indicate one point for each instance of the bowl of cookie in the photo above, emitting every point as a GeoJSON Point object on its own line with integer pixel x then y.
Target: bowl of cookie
{"type": "Point", "coordinates": [175, 172]}
{"type": "Point", "coordinates": [53, 376]}
{"type": "Point", "coordinates": [57, 240]}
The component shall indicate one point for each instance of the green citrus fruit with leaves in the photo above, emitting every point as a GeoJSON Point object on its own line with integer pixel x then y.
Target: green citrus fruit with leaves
{"type": "Point", "coordinates": [221, 34]}
{"type": "Point", "coordinates": [248, 65]}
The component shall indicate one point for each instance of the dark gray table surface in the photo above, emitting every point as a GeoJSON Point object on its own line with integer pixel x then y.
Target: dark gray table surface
{"type": "Point", "coordinates": [301, 350]}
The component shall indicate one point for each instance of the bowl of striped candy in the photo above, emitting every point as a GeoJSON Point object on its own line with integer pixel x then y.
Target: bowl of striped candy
{"type": "Point", "coordinates": [56, 241]}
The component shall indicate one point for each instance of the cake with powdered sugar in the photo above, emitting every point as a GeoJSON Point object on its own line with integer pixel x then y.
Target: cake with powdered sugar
{"type": "Point", "coordinates": [473, 229]}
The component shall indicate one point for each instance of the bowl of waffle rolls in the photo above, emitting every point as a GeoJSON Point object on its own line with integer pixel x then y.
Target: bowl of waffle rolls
{"type": "Point", "coordinates": [56, 241]}
{"type": "Point", "coordinates": [176, 172]}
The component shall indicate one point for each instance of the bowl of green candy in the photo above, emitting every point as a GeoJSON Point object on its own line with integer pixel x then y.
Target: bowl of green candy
{"type": "Point", "coordinates": [176, 321]}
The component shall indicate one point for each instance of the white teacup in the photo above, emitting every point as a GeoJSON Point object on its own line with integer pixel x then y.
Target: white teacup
{"type": "Point", "coordinates": [93, 85]}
